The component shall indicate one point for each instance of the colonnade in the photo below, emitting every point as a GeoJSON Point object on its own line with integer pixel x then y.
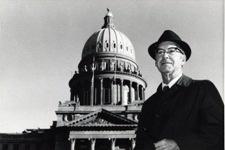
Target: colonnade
{"type": "Point", "coordinates": [109, 91]}
{"type": "Point", "coordinates": [93, 143]}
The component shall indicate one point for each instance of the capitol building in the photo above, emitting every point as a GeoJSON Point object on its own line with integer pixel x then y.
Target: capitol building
{"type": "Point", "coordinates": [106, 95]}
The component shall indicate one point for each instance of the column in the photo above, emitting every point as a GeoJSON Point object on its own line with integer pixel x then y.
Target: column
{"type": "Point", "coordinates": [121, 91]}
{"type": "Point", "coordinates": [143, 94]}
{"type": "Point", "coordinates": [101, 91]}
{"type": "Point", "coordinates": [113, 142]}
{"type": "Point", "coordinates": [72, 142]}
{"type": "Point", "coordinates": [92, 93]}
{"type": "Point", "coordinates": [117, 92]}
{"type": "Point", "coordinates": [132, 144]}
{"type": "Point", "coordinates": [130, 92]}
{"type": "Point", "coordinates": [137, 91]}
{"type": "Point", "coordinates": [93, 144]}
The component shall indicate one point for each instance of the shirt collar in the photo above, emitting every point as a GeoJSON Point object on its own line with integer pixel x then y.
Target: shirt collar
{"type": "Point", "coordinates": [172, 82]}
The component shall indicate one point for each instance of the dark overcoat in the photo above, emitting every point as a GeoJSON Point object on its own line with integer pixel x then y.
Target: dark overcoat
{"type": "Point", "coordinates": [191, 113]}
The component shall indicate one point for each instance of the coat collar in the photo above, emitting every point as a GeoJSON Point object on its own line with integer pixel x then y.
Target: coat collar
{"type": "Point", "coordinates": [184, 81]}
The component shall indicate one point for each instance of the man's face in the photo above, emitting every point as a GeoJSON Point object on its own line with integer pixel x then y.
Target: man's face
{"type": "Point", "coordinates": [169, 57]}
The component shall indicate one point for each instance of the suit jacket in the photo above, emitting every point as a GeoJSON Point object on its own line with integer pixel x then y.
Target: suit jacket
{"type": "Point", "coordinates": [190, 113]}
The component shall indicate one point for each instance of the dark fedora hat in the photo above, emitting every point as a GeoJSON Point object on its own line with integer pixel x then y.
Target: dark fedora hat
{"type": "Point", "coordinates": [169, 35]}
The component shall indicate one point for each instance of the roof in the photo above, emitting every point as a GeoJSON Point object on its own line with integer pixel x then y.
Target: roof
{"type": "Point", "coordinates": [102, 118]}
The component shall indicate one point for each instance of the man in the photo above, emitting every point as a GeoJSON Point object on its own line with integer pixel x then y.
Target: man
{"type": "Point", "coordinates": [184, 114]}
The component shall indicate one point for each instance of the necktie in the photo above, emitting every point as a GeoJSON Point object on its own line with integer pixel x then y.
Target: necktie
{"type": "Point", "coordinates": [165, 88]}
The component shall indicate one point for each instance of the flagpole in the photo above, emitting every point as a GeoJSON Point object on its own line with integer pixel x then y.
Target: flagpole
{"type": "Point", "coordinates": [92, 81]}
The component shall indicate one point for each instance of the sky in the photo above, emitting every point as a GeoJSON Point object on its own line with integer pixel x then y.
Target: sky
{"type": "Point", "coordinates": [41, 42]}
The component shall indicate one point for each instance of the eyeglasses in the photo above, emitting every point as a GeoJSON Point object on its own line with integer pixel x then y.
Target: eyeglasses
{"type": "Point", "coordinates": [170, 51]}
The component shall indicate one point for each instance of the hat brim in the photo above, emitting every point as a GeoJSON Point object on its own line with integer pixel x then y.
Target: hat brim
{"type": "Point", "coordinates": [183, 45]}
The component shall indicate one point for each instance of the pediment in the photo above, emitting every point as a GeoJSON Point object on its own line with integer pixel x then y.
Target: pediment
{"type": "Point", "coordinates": [102, 117]}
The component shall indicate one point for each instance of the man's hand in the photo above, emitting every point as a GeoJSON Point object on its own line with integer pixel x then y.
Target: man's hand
{"type": "Point", "coordinates": [166, 144]}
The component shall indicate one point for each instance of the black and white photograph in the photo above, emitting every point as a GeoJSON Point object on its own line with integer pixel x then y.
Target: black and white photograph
{"type": "Point", "coordinates": [112, 75]}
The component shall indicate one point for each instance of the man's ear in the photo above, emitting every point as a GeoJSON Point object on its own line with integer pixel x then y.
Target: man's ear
{"type": "Point", "coordinates": [183, 58]}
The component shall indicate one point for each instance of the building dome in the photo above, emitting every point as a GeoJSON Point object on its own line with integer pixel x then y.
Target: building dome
{"type": "Point", "coordinates": [108, 73]}
{"type": "Point", "coordinates": [108, 40]}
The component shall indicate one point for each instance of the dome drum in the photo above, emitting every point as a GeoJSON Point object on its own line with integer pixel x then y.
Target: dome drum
{"type": "Point", "coordinates": [76, 82]}
{"type": "Point", "coordinates": [108, 90]}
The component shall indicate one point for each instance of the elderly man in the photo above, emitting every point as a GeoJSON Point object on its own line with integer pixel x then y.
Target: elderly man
{"type": "Point", "coordinates": [184, 114]}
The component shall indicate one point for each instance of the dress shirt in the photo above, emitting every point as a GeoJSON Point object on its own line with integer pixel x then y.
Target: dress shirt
{"type": "Point", "coordinates": [172, 82]}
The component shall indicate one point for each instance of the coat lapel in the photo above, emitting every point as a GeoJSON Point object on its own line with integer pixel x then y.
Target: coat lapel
{"type": "Point", "coordinates": [184, 81]}
{"type": "Point", "coordinates": [166, 102]}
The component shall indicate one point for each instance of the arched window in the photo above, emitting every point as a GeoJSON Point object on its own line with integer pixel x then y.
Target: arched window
{"type": "Point", "coordinates": [114, 45]}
